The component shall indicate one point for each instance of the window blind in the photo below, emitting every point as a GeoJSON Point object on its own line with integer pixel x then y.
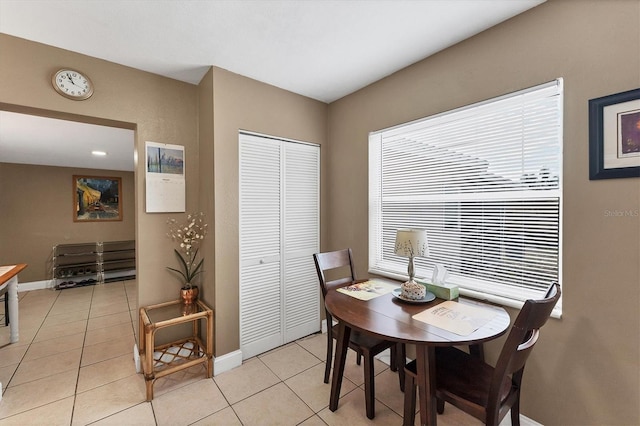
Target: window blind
{"type": "Point", "coordinates": [485, 181]}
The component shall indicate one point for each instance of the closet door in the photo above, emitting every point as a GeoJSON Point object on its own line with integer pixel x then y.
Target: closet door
{"type": "Point", "coordinates": [260, 259]}
{"type": "Point", "coordinates": [301, 235]}
{"type": "Point", "coordinates": [279, 232]}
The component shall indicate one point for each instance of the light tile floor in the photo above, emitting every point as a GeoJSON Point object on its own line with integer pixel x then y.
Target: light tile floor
{"type": "Point", "coordinates": [74, 365]}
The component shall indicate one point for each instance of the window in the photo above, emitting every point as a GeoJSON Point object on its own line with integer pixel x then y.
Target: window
{"type": "Point", "coordinates": [485, 181]}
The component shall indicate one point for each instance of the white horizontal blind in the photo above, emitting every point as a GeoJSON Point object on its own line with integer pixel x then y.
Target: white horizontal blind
{"type": "Point", "coordinates": [485, 182]}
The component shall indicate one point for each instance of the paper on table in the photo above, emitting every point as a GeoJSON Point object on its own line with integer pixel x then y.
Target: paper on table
{"type": "Point", "coordinates": [368, 290]}
{"type": "Point", "coordinates": [456, 317]}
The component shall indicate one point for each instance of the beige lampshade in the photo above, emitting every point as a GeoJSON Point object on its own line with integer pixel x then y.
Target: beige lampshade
{"type": "Point", "coordinates": [412, 243]}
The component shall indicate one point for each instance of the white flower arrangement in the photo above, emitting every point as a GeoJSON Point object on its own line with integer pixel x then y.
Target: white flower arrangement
{"type": "Point", "coordinates": [188, 235]}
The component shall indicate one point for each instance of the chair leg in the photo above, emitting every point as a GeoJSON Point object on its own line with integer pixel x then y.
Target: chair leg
{"type": "Point", "coordinates": [515, 412]}
{"type": "Point", "coordinates": [369, 386]}
{"type": "Point", "coordinates": [400, 363]}
{"type": "Point", "coordinates": [393, 363]}
{"type": "Point", "coordinates": [327, 368]}
{"type": "Point", "coordinates": [358, 358]}
{"type": "Point", "coordinates": [477, 351]}
{"type": "Point", "coordinates": [440, 406]}
{"type": "Point", "coordinates": [409, 400]}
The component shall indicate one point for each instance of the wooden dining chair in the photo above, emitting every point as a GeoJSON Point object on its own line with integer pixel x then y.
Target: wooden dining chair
{"type": "Point", "coordinates": [485, 392]}
{"type": "Point", "coordinates": [339, 266]}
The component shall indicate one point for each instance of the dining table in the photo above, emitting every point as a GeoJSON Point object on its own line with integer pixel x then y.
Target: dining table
{"type": "Point", "coordinates": [389, 317]}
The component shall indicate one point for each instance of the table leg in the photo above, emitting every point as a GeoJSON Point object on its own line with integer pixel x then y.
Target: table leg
{"type": "Point", "coordinates": [426, 366]}
{"type": "Point", "coordinates": [342, 344]}
{"type": "Point", "coordinates": [149, 368]}
{"type": "Point", "coordinates": [6, 309]}
{"type": "Point", "coordinates": [12, 292]}
{"type": "Point", "coordinates": [209, 345]}
{"type": "Point", "coordinates": [141, 334]}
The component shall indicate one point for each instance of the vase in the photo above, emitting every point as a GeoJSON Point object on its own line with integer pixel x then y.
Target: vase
{"type": "Point", "coordinates": [189, 295]}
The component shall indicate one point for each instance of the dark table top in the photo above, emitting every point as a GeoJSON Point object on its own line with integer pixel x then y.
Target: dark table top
{"type": "Point", "coordinates": [390, 318]}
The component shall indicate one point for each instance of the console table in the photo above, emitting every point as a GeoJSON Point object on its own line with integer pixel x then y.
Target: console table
{"type": "Point", "coordinates": [160, 360]}
{"type": "Point", "coordinates": [9, 285]}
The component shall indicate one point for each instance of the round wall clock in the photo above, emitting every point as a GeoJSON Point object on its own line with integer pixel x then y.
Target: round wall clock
{"type": "Point", "coordinates": [72, 84]}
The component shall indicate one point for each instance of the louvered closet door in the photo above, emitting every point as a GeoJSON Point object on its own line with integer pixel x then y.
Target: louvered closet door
{"type": "Point", "coordinates": [260, 211]}
{"type": "Point", "coordinates": [301, 231]}
{"type": "Point", "coordinates": [279, 232]}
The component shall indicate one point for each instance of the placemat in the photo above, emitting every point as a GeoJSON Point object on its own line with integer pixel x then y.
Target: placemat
{"type": "Point", "coordinates": [368, 290]}
{"type": "Point", "coordinates": [455, 317]}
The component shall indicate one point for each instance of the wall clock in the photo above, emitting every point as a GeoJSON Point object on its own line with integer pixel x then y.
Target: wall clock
{"type": "Point", "coordinates": [72, 84]}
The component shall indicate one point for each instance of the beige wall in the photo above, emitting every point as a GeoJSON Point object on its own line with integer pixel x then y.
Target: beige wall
{"type": "Point", "coordinates": [157, 108]}
{"type": "Point", "coordinates": [36, 206]}
{"type": "Point", "coordinates": [243, 104]}
{"type": "Point", "coordinates": [585, 369]}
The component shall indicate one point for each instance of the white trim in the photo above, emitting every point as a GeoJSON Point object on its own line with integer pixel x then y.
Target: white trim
{"type": "Point", "coordinates": [504, 301]}
{"type": "Point", "coordinates": [276, 138]}
{"type": "Point", "coordinates": [408, 126]}
{"type": "Point", "coordinates": [35, 285]}
{"type": "Point", "coordinates": [526, 421]}
{"type": "Point", "coordinates": [136, 358]}
{"type": "Point", "coordinates": [227, 362]}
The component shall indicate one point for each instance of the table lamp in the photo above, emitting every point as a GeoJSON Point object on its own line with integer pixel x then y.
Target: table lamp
{"type": "Point", "coordinates": [412, 243]}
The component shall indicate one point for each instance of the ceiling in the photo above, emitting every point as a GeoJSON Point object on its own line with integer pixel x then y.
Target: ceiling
{"type": "Point", "coordinates": [322, 49]}
{"type": "Point", "coordinates": [29, 139]}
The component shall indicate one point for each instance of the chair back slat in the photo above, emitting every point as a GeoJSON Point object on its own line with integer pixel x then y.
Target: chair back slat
{"type": "Point", "coordinates": [341, 260]}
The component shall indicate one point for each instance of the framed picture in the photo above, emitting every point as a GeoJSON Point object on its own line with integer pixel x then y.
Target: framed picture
{"type": "Point", "coordinates": [97, 198]}
{"type": "Point", "coordinates": [614, 136]}
{"type": "Point", "coordinates": [165, 178]}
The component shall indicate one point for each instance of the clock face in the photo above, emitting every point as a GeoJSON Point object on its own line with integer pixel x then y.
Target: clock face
{"type": "Point", "coordinates": [72, 84]}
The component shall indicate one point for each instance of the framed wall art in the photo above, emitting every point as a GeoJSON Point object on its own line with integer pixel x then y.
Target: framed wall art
{"type": "Point", "coordinates": [97, 198]}
{"type": "Point", "coordinates": [165, 178]}
{"type": "Point", "coordinates": [614, 136]}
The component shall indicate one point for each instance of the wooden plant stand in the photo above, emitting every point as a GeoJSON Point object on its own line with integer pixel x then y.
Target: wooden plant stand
{"type": "Point", "coordinates": [160, 360]}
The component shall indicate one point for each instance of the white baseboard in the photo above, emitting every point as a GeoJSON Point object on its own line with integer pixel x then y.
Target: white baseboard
{"type": "Point", "coordinates": [323, 326]}
{"type": "Point", "coordinates": [35, 285]}
{"type": "Point", "coordinates": [227, 362]}
{"type": "Point", "coordinates": [136, 358]}
{"type": "Point", "coordinates": [526, 421]}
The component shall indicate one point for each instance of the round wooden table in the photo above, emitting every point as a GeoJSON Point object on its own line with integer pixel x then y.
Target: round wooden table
{"type": "Point", "coordinates": [389, 318]}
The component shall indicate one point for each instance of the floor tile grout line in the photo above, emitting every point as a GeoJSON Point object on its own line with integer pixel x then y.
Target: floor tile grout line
{"type": "Point", "coordinates": [4, 390]}
{"type": "Point", "coordinates": [31, 342]}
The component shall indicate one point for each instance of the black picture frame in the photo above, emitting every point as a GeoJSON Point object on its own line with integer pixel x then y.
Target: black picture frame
{"type": "Point", "coordinates": [605, 135]}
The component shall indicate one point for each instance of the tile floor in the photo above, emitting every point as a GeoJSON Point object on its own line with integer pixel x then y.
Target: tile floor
{"type": "Point", "coordinates": [74, 365]}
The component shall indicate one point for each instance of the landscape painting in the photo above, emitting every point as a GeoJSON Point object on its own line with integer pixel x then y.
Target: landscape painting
{"type": "Point", "coordinates": [97, 198]}
{"type": "Point", "coordinates": [629, 139]}
{"type": "Point", "coordinates": [165, 160]}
